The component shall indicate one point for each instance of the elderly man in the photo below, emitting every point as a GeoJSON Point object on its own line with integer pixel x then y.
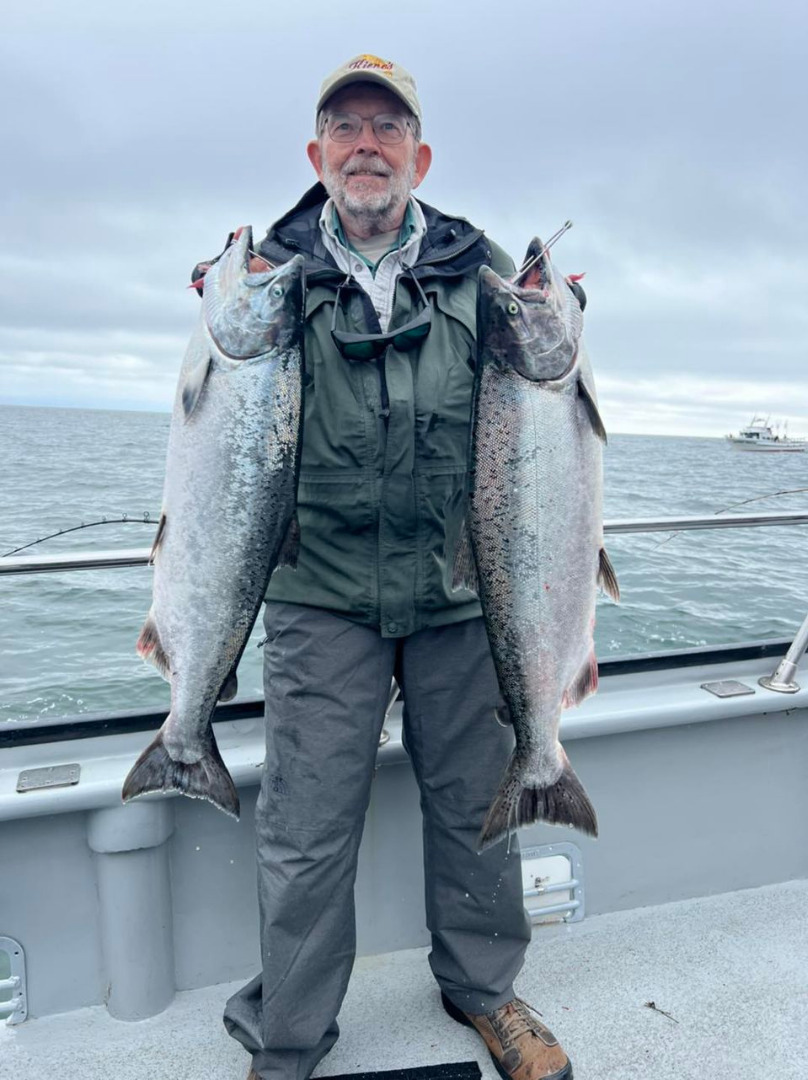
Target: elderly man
{"type": "Point", "coordinates": [390, 334]}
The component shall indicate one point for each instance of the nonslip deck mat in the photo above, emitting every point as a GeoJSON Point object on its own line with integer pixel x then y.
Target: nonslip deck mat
{"type": "Point", "coordinates": [453, 1070]}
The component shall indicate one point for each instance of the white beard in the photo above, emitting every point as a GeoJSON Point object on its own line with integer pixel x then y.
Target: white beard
{"type": "Point", "coordinates": [372, 207]}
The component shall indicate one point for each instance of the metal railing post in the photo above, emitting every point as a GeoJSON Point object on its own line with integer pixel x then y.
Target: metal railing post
{"type": "Point", "coordinates": [782, 678]}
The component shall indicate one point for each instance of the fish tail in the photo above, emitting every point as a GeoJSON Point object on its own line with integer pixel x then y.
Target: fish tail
{"type": "Point", "coordinates": [563, 803]}
{"type": "Point", "coordinates": [208, 778]}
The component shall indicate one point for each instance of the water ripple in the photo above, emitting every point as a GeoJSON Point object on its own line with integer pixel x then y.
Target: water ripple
{"type": "Point", "coordinates": [67, 640]}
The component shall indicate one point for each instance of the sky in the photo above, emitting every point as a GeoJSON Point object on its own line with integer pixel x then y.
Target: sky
{"type": "Point", "coordinates": [671, 134]}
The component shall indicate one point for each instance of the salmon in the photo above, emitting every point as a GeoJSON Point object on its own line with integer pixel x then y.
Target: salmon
{"type": "Point", "coordinates": [228, 516]}
{"type": "Point", "coordinates": [533, 546]}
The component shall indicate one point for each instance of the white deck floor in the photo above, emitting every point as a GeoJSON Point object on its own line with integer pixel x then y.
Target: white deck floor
{"type": "Point", "coordinates": [731, 970]}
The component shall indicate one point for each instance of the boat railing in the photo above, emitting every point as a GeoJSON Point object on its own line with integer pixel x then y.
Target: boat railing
{"type": "Point", "coordinates": [782, 678]}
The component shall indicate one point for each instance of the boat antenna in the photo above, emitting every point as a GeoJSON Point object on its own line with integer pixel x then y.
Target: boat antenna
{"type": "Point", "coordinates": [147, 519]}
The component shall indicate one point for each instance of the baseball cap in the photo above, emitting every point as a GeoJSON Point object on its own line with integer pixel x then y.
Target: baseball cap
{"type": "Point", "coordinates": [368, 68]}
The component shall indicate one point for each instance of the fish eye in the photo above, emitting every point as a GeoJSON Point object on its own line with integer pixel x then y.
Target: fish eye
{"type": "Point", "coordinates": [277, 290]}
{"type": "Point", "coordinates": [513, 308]}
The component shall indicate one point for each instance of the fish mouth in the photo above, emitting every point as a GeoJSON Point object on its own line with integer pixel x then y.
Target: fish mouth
{"type": "Point", "coordinates": [251, 314]}
{"type": "Point", "coordinates": [536, 282]}
{"type": "Point", "coordinates": [535, 277]}
{"type": "Point", "coordinates": [242, 245]}
{"type": "Point", "coordinates": [522, 328]}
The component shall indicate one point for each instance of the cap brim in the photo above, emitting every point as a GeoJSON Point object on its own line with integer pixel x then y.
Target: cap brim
{"type": "Point", "coordinates": [366, 77]}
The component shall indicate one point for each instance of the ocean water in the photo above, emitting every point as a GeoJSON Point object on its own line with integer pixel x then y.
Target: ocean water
{"type": "Point", "coordinates": [67, 639]}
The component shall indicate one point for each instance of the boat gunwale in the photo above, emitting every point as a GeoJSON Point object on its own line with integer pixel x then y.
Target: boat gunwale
{"type": "Point", "coordinates": [128, 721]}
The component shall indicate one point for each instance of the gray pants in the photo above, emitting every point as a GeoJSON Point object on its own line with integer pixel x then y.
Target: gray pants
{"type": "Point", "coordinates": [327, 682]}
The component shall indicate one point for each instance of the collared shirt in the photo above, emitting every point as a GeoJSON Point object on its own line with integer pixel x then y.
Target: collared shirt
{"type": "Point", "coordinates": [379, 282]}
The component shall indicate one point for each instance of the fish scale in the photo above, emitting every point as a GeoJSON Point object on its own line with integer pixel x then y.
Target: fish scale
{"type": "Point", "coordinates": [535, 532]}
{"type": "Point", "coordinates": [526, 563]}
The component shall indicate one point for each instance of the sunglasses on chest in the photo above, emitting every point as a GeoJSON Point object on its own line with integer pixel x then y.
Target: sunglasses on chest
{"type": "Point", "coordinates": [371, 346]}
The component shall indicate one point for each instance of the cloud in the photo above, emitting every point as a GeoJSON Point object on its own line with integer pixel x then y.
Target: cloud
{"type": "Point", "coordinates": [679, 405]}
{"type": "Point", "coordinates": [668, 133]}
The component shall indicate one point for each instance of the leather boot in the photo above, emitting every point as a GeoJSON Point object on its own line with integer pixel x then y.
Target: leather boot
{"type": "Point", "coordinates": [521, 1046]}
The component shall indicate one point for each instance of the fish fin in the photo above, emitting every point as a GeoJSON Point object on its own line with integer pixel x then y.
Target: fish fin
{"type": "Point", "coordinates": [464, 569]}
{"type": "Point", "coordinates": [158, 538]}
{"type": "Point", "coordinates": [229, 687]}
{"type": "Point", "coordinates": [150, 647]}
{"type": "Point", "coordinates": [194, 384]}
{"type": "Point", "coordinates": [607, 579]}
{"type": "Point", "coordinates": [208, 778]}
{"type": "Point", "coordinates": [563, 803]}
{"type": "Point", "coordinates": [584, 683]}
{"type": "Point", "coordinates": [290, 548]}
{"type": "Point", "coordinates": [591, 405]}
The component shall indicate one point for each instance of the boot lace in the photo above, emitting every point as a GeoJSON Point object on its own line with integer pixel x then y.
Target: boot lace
{"type": "Point", "coordinates": [517, 1020]}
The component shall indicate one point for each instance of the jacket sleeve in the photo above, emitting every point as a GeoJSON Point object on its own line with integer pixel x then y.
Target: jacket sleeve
{"type": "Point", "coordinates": [501, 262]}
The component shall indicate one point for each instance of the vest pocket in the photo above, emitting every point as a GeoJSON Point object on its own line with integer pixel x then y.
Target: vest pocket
{"type": "Point", "coordinates": [444, 374]}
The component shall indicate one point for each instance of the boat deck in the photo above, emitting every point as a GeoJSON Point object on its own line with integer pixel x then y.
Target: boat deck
{"type": "Point", "coordinates": [730, 970]}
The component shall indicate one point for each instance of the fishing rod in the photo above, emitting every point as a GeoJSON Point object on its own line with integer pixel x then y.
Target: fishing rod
{"type": "Point", "coordinates": [743, 502]}
{"type": "Point", "coordinates": [147, 519]}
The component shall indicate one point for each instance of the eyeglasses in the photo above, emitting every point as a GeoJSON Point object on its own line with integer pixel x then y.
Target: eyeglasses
{"type": "Point", "coordinates": [389, 128]}
{"type": "Point", "coordinates": [371, 346]}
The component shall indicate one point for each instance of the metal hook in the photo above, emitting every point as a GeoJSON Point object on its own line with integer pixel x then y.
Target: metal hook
{"type": "Point", "coordinates": [530, 262]}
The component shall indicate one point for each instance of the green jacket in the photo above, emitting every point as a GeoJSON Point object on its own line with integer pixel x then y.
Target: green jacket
{"type": "Point", "coordinates": [385, 443]}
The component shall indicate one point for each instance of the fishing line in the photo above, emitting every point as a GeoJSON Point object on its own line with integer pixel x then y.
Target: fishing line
{"type": "Point", "coordinates": [743, 502]}
{"type": "Point", "coordinates": [147, 519]}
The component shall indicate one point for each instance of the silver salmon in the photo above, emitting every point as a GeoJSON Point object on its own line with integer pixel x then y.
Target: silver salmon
{"type": "Point", "coordinates": [228, 516]}
{"type": "Point", "coordinates": [534, 545]}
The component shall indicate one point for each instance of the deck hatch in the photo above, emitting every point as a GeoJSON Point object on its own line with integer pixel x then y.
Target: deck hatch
{"type": "Point", "coordinates": [727, 688]}
{"type": "Point", "coordinates": [13, 998]}
{"type": "Point", "coordinates": [50, 776]}
{"type": "Point", "coordinates": [553, 882]}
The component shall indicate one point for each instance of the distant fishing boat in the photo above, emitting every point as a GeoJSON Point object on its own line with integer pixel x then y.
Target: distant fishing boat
{"type": "Point", "coordinates": [760, 435]}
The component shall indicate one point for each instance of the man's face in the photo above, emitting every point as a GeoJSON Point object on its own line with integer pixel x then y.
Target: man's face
{"type": "Point", "coordinates": [367, 178]}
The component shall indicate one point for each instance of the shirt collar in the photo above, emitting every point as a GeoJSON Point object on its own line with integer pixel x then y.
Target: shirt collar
{"type": "Point", "coordinates": [412, 231]}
